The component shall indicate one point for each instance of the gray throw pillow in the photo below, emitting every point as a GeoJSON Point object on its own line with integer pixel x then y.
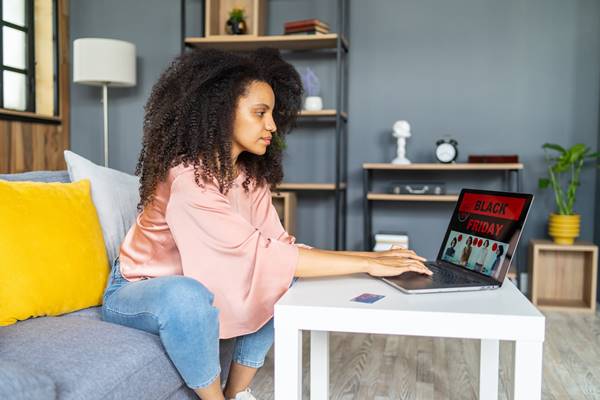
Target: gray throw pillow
{"type": "Point", "coordinates": [115, 195]}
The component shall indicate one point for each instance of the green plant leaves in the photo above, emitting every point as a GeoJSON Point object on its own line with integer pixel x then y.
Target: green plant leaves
{"type": "Point", "coordinates": [237, 14]}
{"type": "Point", "coordinates": [553, 146]}
{"type": "Point", "coordinates": [595, 154]}
{"type": "Point", "coordinates": [576, 152]}
{"type": "Point", "coordinates": [569, 161]}
{"type": "Point", "coordinates": [543, 183]}
{"type": "Point", "coordinates": [278, 143]}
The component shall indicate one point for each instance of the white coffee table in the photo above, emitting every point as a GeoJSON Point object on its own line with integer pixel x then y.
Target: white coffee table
{"type": "Point", "coordinates": [323, 306]}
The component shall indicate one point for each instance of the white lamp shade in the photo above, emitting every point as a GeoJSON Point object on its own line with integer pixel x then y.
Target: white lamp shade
{"type": "Point", "coordinates": [104, 61]}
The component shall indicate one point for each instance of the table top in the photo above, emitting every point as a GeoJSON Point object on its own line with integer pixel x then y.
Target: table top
{"type": "Point", "coordinates": [325, 304]}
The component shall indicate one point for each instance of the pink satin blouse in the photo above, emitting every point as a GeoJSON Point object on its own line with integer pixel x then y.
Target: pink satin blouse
{"type": "Point", "coordinates": [234, 244]}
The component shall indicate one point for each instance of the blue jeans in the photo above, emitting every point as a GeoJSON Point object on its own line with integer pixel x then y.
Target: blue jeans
{"type": "Point", "coordinates": [180, 311]}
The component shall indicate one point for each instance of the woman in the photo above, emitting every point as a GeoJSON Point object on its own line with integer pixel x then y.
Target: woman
{"type": "Point", "coordinates": [495, 265]}
{"type": "Point", "coordinates": [466, 253]}
{"type": "Point", "coordinates": [482, 258]}
{"type": "Point", "coordinates": [451, 251]}
{"type": "Point", "coordinates": [207, 257]}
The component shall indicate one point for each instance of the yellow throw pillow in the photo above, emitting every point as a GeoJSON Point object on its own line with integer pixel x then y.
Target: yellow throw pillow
{"type": "Point", "coordinates": [52, 254]}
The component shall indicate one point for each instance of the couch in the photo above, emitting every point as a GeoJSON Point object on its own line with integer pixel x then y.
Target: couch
{"type": "Point", "coordinates": [79, 356]}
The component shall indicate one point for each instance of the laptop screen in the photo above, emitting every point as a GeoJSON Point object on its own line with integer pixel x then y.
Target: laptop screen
{"type": "Point", "coordinates": [484, 231]}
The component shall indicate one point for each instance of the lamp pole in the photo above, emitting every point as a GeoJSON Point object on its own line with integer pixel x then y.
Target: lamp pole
{"type": "Point", "coordinates": [105, 107]}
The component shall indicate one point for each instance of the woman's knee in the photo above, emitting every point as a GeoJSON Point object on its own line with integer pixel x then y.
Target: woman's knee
{"type": "Point", "coordinates": [187, 299]}
{"type": "Point", "coordinates": [181, 288]}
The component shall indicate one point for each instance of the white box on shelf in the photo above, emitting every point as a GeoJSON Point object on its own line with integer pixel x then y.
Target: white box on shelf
{"type": "Point", "coordinates": [385, 241]}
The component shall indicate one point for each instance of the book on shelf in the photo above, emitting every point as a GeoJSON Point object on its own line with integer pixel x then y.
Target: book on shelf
{"type": "Point", "coordinates": [304, 23]}
{"type": "Point", "coordinates": [493, 158]}
{"type": "Point", "coordinates": [307, 29]}
{"type": "Point", "coordinates": [313, 32]}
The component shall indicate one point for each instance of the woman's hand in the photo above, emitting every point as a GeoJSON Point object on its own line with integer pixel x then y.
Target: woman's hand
{"type": "Point", "coordinates": [396, 261]}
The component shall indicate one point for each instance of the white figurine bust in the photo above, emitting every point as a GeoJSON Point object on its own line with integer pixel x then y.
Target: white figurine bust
{"type": "Point", "coordinates": [401, 133]}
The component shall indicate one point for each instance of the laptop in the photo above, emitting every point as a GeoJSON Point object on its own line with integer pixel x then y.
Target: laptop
{"type": "Point", "coordinates": [478, 247]}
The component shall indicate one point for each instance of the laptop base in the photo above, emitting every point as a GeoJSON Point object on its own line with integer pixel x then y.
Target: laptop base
{"type": "Point", "coordinates": [432, 287]}
{"type": "Point", "coordinates": [413, 282]}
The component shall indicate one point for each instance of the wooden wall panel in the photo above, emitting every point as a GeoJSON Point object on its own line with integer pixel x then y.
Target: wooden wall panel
{"type": "Point", "coordinates": [4, 147]}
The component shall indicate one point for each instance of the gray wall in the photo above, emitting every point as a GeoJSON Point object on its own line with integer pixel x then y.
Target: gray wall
{"type": "Point", "coordinates": [498, 76]}
{"type": "Point", "coordinates": [597, 221]}
{"type": "Point", "coordinates": [154, 27]}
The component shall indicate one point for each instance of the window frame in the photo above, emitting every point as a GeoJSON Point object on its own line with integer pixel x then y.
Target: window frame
{"type": "Point", "coordinates": [29, 72]}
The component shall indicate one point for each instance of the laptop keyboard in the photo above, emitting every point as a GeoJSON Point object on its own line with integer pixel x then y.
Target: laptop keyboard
{"type": "Point", "coordinates": [445, 275]}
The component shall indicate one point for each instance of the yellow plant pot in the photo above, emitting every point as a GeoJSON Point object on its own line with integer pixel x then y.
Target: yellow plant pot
{"type": "Point", "coordinates": [564, 228]}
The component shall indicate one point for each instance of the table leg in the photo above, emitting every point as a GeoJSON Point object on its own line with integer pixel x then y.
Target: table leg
{"type": "Point", "coordinates": [319, 365]}
{"type": "Point", "coordinates": [488, 369]}
{"type": "Point", "coordinates": [528, 370]}
{"type": "Point", "coordinates": [288, 361]}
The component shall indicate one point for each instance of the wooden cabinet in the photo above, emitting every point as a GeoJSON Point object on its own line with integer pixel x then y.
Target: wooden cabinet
{"type": "Point", "coordinates": [563, 277]}
{"type": "Point", "coordinates": [285, 205]}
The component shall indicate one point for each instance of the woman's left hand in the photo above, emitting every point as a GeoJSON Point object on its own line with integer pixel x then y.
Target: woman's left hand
{"type": "Point", "coordinates": [397, 251]}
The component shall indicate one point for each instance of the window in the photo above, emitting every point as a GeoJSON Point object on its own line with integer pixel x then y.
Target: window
{"type": "Point", "coordinates": [28, 56]}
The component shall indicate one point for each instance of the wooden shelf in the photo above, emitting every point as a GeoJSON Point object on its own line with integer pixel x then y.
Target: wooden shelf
{"type": "Point", "coordinates": [442, 167]}
{"type": "Point", "coordinates": [413, 197]}
{"type": "Point", "coordinates": [330, 113]}
{"type": "Point", "coordinates": [309, 186]}
{"type": "Point", "coordinates": [282, 42]}
{"type": "Point", "coordinates": [563, 277]}
{"type": "Point", "coordinates": [563, 305]}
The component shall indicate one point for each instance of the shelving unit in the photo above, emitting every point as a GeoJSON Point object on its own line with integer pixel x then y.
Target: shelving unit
{"type": "Point", "coordinates": [512, 183]}
{"type": "Point", "coordinates": [563, 277]}
{"type": "Point", "coordinates": [335, 42]}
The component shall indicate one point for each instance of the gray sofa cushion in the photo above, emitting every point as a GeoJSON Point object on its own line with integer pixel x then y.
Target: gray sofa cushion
{"type": "Point", "coordinates": [18, 383]}
{"type": "Point", "coordinates": [38, 176]}
{"type": "Point", "coordinates": [91, 359]}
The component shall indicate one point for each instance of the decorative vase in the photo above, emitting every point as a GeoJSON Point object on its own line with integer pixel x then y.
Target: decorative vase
{"type": "Point", "coordinates": [313, 103]}
{"type": "Point", "coordinates": [564, 228]}
{"type": "Point", "coordinates": [234, 26]}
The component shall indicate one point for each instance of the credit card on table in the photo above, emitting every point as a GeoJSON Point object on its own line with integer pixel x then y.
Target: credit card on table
{"type": "Point", "coordinates": [369, 298]}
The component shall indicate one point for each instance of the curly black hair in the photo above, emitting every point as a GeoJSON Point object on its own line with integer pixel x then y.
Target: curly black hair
{"type": "Point", "coordinates": [190, 113]}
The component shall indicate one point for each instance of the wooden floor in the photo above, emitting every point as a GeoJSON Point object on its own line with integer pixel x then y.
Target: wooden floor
{"type": "Point", "coordinates": [381, 367]}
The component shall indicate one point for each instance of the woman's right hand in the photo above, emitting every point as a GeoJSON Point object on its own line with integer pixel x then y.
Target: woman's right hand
{"type": "Point", "coordinates": [393, 266]}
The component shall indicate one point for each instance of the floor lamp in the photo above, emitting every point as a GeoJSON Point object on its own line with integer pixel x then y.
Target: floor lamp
{"type": "Point", "coordinates": [104, 62]}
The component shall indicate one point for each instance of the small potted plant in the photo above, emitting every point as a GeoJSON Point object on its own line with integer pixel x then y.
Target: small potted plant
{"type": "Point", "coordinates": [236, 24]}
{"type": "Point", "coordinates": [563, 225]}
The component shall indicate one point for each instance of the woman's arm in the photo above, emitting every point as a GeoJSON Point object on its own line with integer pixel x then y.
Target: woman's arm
{"type": "Point", "coordinates": [394, 251]}
{"type": "Point", "coordinates": [352, 253]}
{"type": "Point", "coordinates": [315, 262]}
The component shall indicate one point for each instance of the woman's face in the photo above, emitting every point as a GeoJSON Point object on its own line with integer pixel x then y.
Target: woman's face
{"type": "Point", "coordinates": [253, 127]}
{"type": "Point", "coordinates": [469, 241]}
